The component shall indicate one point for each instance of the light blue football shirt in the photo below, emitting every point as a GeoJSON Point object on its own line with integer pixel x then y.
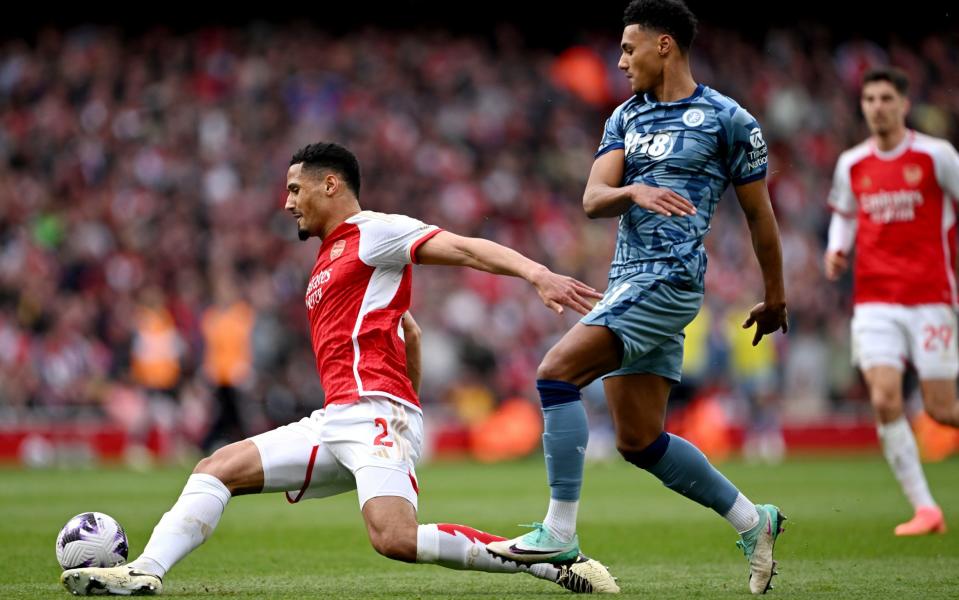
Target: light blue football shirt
{"type": "Point", "coordinates": [695, 146]}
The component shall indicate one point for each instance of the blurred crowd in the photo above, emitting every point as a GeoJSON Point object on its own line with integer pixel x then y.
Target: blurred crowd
{"type": "Point", "coordinates": [148, 272]}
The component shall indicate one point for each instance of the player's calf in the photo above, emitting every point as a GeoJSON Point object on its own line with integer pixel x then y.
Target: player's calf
{"type": "Point", "coordinates": [391, 525]}
{"type": "Point", "coordinates": [939, 400]}
{"type": "Point", "coordinates": [394, 544]}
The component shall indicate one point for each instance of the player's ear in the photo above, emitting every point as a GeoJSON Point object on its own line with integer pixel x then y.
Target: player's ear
{"type": "Point", "coordinates": [330, 184]}
{"type": "Point", "coordinates": [665, 44]}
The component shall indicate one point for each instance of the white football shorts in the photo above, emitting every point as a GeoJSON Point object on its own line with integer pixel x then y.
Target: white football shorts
{"type": "Point", "coordinates": [893, 334]}
{"type": "Point", "coordinates": [371, 446]}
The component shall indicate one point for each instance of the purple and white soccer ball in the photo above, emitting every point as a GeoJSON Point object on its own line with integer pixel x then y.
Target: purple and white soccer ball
{"type": "Point", "coordinates": [91, 539]}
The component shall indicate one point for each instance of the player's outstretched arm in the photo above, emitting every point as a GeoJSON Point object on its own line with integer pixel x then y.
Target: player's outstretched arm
{"type": "Point", "coordinates": [605, 195]}
{"type": "Point", "coordinates": [556, 291]}
{"type": "Point", "coordinates": [411, 335]}
{"type": "Point", "coordinates": [770, 314]}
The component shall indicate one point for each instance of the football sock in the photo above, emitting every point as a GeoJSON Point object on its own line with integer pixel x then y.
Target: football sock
{"type": "Point", "coordinates": [685, 470]}
{"type": "Point", "coordinates": [565, 434]}
{"type": "Point", "coordinates": [743, 516]}
{"type": "Point", "coordinates": [561, 519]}
{"type": "Point", "coordinates": [464, 548]}
{"type": "Point", "coordinates": [899, 446]}
{"type": "Point", "coordinates": [186, 525]}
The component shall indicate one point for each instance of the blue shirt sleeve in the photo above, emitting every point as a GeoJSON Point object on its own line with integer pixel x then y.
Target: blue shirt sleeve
{"type": "Point", "coordinates": [613, 133]}
{"type": "Point", "coordinates": [746, 151]}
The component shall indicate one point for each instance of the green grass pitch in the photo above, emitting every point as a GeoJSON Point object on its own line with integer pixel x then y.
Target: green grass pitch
{"type": "Point", "coordinates": [838, 542]}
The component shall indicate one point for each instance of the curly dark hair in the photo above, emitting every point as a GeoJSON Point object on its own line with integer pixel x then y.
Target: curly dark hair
{"type": "Point", "coordinates": [327, 155]}
{"type": "Point", "coordinates": [671, 17]}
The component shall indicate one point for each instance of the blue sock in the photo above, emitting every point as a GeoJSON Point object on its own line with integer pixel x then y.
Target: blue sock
{"type": "Point", "coordinates": [565, 434]}
{"type": "Point", "coordinates": [685, 470]}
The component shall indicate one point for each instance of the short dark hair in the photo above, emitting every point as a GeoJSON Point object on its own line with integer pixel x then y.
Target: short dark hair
{"type": "Point", "coordinates": [671, 17]}
{"type": "Point", "coordinates": [897, 77]}
{"type": "Point", "coordinates": [327, 155]}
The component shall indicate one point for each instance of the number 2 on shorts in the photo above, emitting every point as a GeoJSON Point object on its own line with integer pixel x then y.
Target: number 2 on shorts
{"type": "Point", "coordinates": [378, 440]}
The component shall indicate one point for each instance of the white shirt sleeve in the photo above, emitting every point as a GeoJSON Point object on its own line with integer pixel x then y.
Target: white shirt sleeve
{"type": "Point", "coordinates": [947, 169]}
{"type": "Point", "coordinates": [390, 240]}
{"type": "Point", "coordinates": [841, 198]}
{"type": "Point", "coordinates": [842, 233]}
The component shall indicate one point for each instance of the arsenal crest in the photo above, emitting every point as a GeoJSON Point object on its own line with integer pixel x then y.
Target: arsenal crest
{"type": "Point", "coordinates": [337, 249]}
{"type": "Point", "coordinates": [912, 174]}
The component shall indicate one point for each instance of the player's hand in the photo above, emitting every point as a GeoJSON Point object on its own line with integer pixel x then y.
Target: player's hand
{"type": "Point", "coordinates": [767, 320]}
{"type": "Point", "coordinates": [661, 201]}
{"type": "Point", "coordinates": [835, 264]}
{"type": "Point", "coordinates": [557, 291]}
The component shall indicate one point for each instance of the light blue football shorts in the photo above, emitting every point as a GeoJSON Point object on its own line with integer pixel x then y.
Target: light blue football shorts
{"type": "Point", "coordinates": [648, 315]}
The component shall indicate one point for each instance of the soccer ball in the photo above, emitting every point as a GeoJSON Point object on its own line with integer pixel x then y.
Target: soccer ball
{"type": "Point", "coordinates": [91, 539]}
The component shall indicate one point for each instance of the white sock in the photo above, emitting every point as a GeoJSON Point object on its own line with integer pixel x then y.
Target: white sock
{"type": "Point", "coordinates": [743, 515]}
{"type": "Point", "coordinates": [560, 519]}
{"type": "Point", "coordinates": [464, 548]}
{"type": "Point", "coordinates": [899, 446]}
{"type": "Point", "coordinates": [186, 525]}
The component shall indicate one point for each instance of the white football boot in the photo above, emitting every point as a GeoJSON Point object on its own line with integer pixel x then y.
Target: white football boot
{"type": "Point", "coordinates": [114, 581]}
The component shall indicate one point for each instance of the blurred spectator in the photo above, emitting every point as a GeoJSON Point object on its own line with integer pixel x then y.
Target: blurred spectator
{"type": "Point", "coordinates": [155, 356]}
{"type": "Point", "coordinates": [227, 360]}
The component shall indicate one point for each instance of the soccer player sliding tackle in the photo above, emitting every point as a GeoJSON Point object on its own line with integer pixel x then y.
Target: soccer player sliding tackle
{"type": "Point", "coordinates": [369, 434]}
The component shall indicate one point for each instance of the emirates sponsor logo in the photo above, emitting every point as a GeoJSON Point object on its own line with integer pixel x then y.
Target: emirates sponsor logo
{"type": "Point", "coordinates": [337, 249]}
{"type": "Point", "coordinates": [890, 207]}
{"type": "Point", "coordinates": [912, 174]}
{"type": "Point", "coordinates": [314, 293]}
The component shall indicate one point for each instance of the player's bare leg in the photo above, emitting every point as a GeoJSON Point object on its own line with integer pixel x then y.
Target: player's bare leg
{"type": "Point", "coordinates": [391, 525]}
{"type": "Point", "coordinates": [232, 470]}
{"type": "Point", "coordinates": [394, 533]}
{"type": "Point", "coordinates": [939, 400]}
{"type": "Point", "coordinates": [899, 447]}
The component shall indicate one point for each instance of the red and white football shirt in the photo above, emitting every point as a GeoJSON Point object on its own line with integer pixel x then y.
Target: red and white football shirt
{"type": "Point", "coordinates": [358, 291]}
{"type": "Point", "coordinates": [904, 202]}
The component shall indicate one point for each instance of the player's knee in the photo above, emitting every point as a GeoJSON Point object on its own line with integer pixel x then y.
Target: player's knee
{"type": "Point", "coordinates": [207, 465]}
{"type": "Point", "coordinates": [886, 401]}
{"type": "Point", "coordinates": [219, 465]}
{"type": "Point", "coordinates": [548, 370]}
{"type": "Point", "coordinates": [554, 367]}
